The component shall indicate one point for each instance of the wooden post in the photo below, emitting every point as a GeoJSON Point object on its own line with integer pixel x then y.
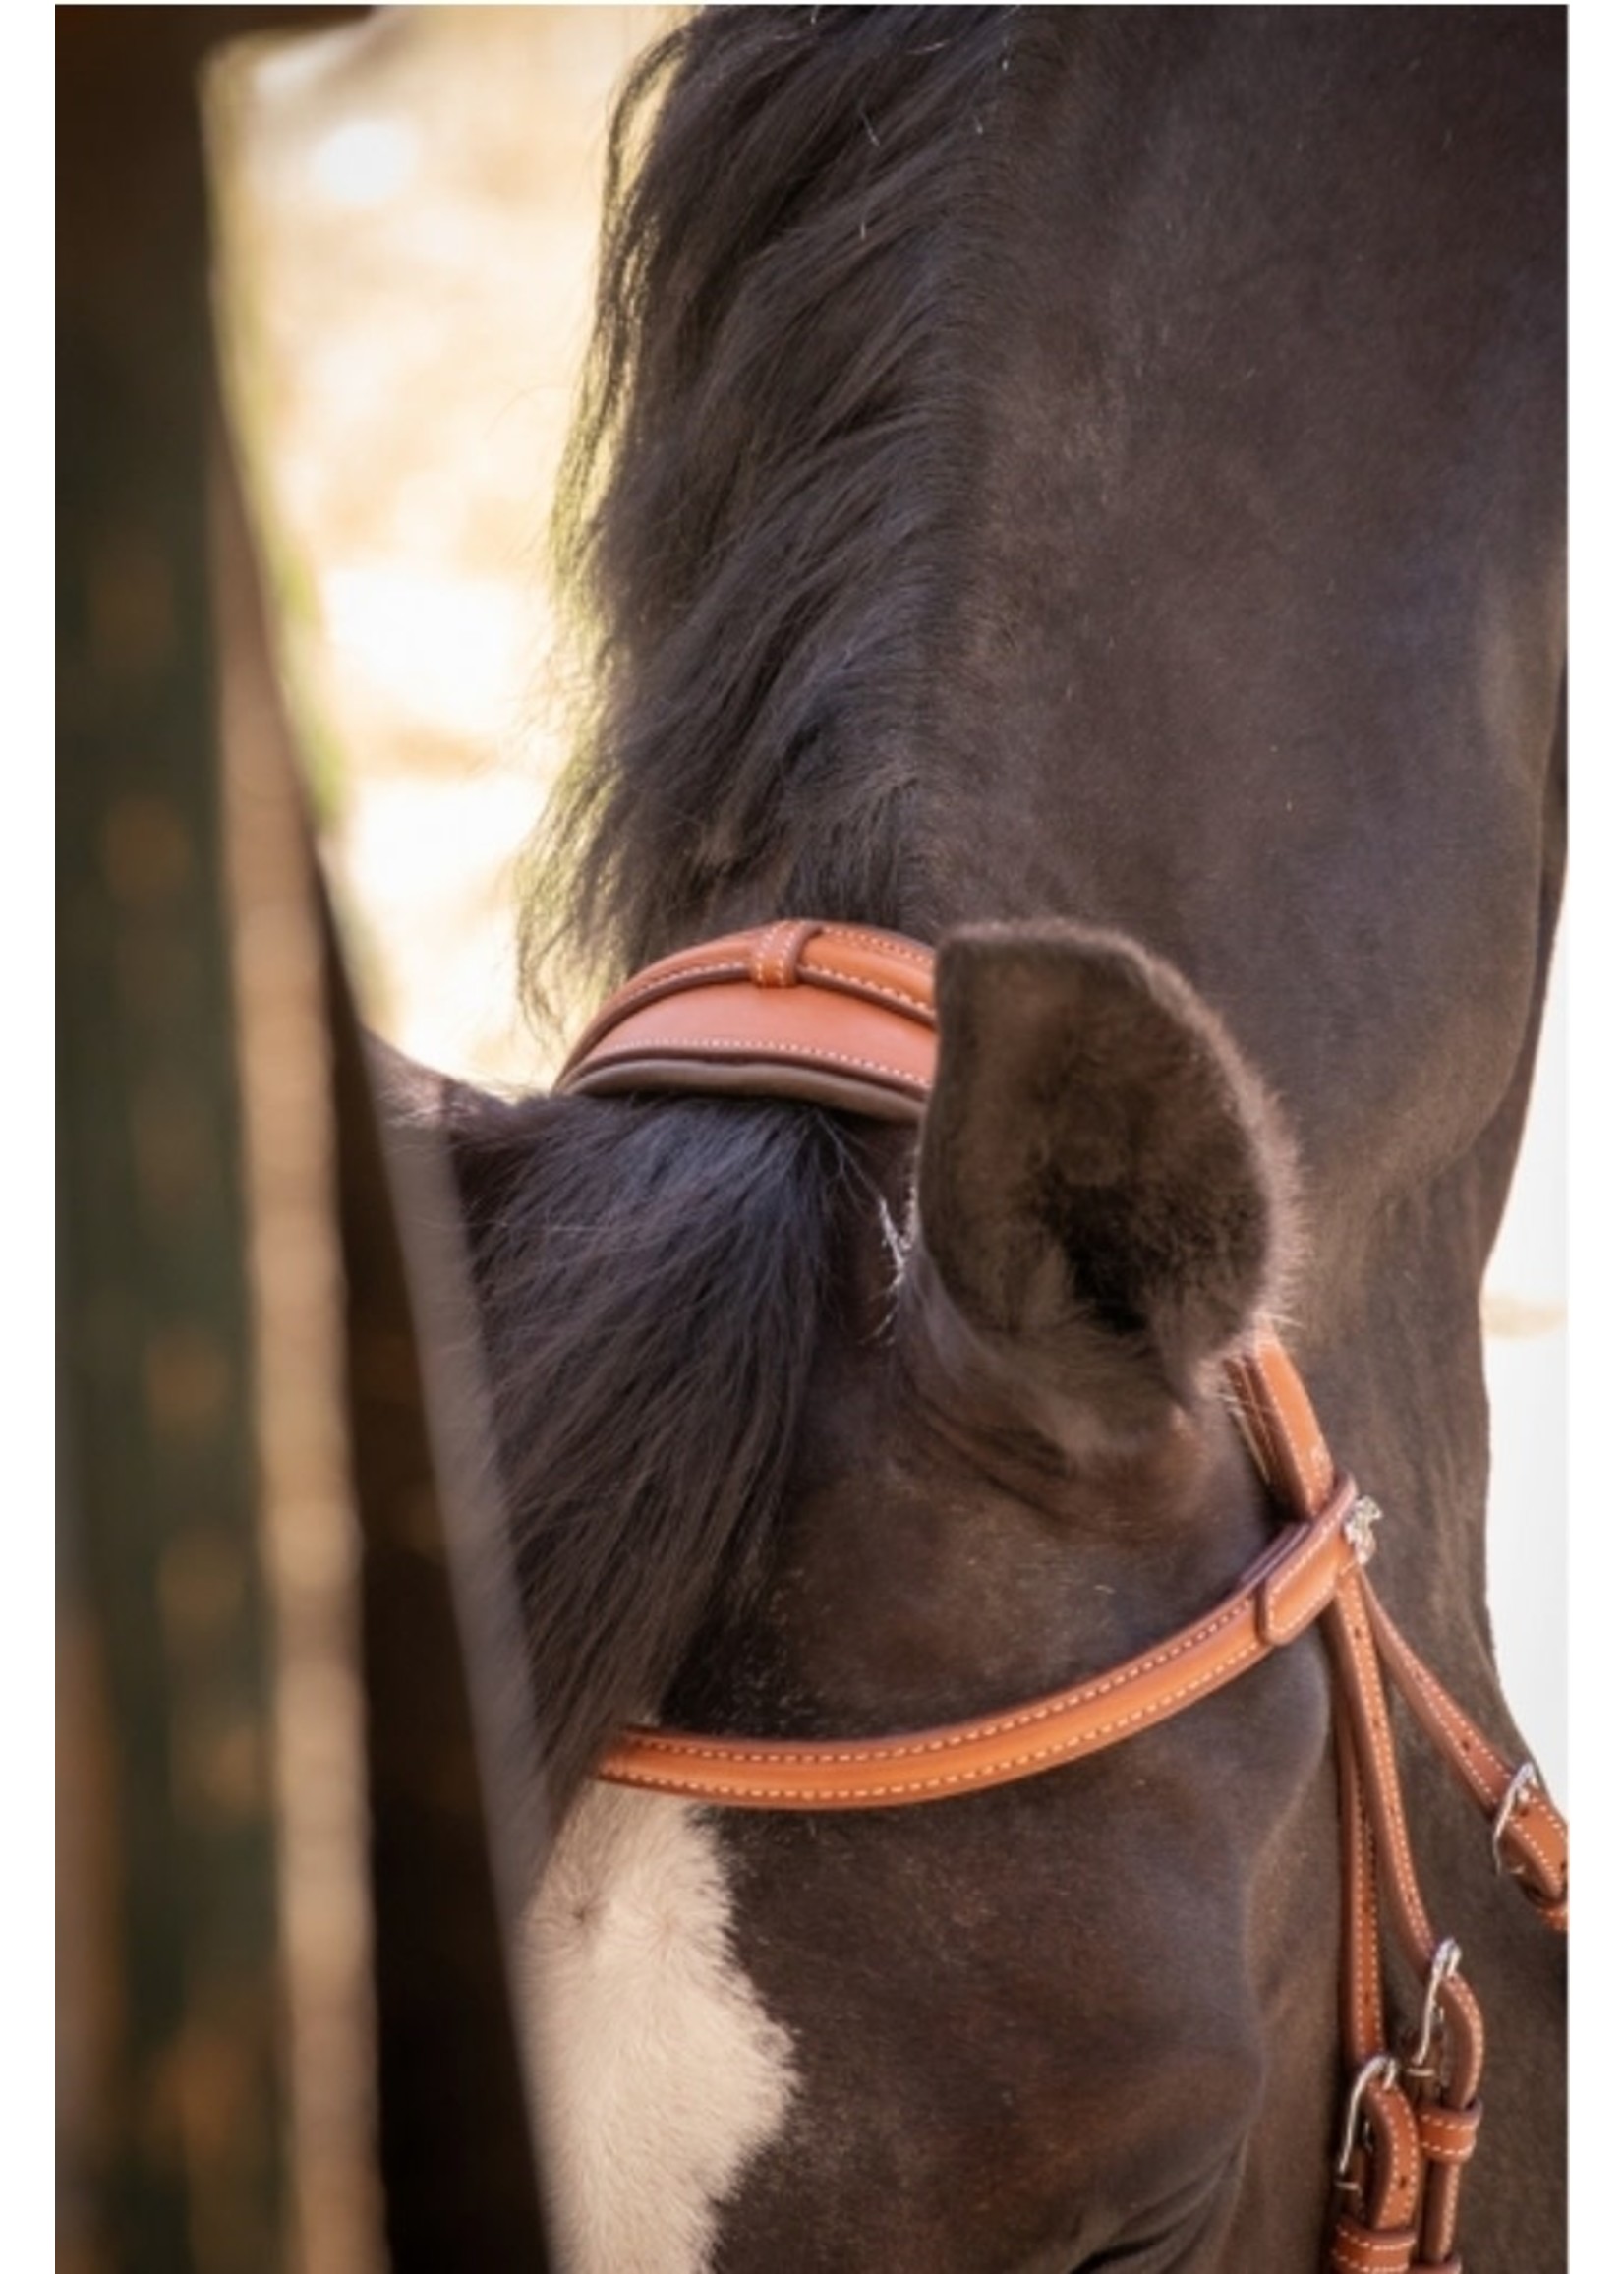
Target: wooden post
{"type": "Point", "coordinates": [182, 2144]}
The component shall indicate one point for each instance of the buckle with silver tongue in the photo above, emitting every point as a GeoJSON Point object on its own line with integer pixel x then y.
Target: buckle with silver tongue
{"type": "Point", "coordinates": [1381, 2069]}
{"type": "Point", "coordinates": [1523, 1785]}
{"type": "Point", "coordinates": [1446, 1962]}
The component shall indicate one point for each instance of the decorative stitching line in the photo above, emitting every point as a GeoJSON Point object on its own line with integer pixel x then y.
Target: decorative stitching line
{"type": "Point", "coordinates": [993, 1772]}
{"type": "Point", "coordinates": [659, 986]}
{"type": "Point", "coordinates": [1374, 2253]}
{"type": "Point", "coordinates": [1538, 1814]}
{"type": "Point", "coordinates": [1311, 1456]}
{"type": "Point", "coordinates": [1364, 1938]}
{"type": "Point", "coordinates": [1285, 1586]}
{"type": "Point", "coordinates": [887, 943]}
{"type": "Point", "coordinates": [1306, 1456]}
{"type": "Point", "coordinates": [1440, 2124]}
{"type": "Point", "coordinates": [770, 959]}
{"type": "Point", "coordinates": [1395, 1846]}
{"type": "Point", "coordinates": [675, 982]}
{"type": "Point", "coordinates": [1302, 1457]}
{"type": "Point", "coordinates": [1459, 1991]}
{"type": "Point", "coordinates": [837, 983]}
{"type": "Point", "coordinates": [636, 992]}
{"type": "Point", "coordinates": [677, 977]}
{"type": "Point", "coordinates": [882, 1749]}
{"type": "Point", "coordinates": [676, 1051]}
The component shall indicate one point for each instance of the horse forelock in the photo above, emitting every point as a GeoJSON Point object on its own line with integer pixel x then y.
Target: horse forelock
{"type": "Point", "coordinates": [776, 440]}
{"type": "Point", "coordinates": [652, 1281]}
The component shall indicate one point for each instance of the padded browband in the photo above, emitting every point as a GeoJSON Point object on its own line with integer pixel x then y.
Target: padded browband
{"type": "Point", "coordinates": [829, 1014]}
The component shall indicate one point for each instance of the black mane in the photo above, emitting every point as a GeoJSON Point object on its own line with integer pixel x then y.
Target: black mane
{"type": "Point", "coordinates": [771, 459]}
{"type": "Point", "coordinates": [758, 524]}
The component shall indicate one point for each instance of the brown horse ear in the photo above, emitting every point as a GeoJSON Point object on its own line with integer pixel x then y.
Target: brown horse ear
{"type": "Point", "coordinates": [1102, 1191]}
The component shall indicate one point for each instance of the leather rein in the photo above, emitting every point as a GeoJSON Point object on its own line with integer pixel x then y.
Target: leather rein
{"type": "Point", "coordinates": [840, 1016]}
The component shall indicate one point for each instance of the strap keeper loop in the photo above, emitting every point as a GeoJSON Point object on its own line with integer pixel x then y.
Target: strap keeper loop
{"type": "Point", "coordinates": [1447, 2134]}
{"type": "Point", "coordinates": [1359, 2249]}
{"type": "Point", "coordinates": [775, 957]}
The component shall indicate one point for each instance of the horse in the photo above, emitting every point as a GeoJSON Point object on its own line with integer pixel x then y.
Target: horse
{"type": "Point", "coordinates": [1079, 490]}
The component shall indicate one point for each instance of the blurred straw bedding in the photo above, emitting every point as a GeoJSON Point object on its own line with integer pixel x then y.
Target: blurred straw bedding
{"type": "Point", "coordinates": [407, 209]}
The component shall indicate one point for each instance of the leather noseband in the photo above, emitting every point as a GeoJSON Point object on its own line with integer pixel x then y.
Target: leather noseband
{"type": "Point", "coordinates": [841, 1015]}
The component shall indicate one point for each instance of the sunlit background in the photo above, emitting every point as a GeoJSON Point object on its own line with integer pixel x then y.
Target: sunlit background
{"type": "Point", "coordinates": [409, 206]}
{"type": "Point", "coordinates": [407, 209]}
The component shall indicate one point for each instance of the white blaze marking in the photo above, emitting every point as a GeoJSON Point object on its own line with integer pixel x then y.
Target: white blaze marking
{"type": "Point", "coordinates": [659, 2076]}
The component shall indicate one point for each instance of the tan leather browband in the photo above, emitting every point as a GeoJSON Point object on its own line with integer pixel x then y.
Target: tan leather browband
{"type": "Point", "coordinates": [842, 1016]}
{"type": "Point", "coordinates": [827, 1013]}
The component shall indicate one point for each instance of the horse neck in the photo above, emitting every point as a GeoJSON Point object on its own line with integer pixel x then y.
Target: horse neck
{"type": "Point", "coordinates": [1262, 621]}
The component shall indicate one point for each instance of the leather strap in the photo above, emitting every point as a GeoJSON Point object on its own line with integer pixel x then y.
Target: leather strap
{"type": "Point", "coordinates": [1532, 1844]}
{"type": "Point", "coordinates": [829, 1014]}
{"type": "Point", "coordinates": [1440, 2065]}
{"type": "Point", "coordinates": [840, 1016]}
{"type": "Point", "coordinates": [1281, 1427]}
{"type": "Point", "coordinates": [1282, 1594]}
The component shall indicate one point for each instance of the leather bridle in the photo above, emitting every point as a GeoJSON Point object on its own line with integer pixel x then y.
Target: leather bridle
{"type": "Point", "coordinates": [836, 1014]}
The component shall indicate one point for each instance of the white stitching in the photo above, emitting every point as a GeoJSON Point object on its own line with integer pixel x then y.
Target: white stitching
{"type": "Point", "coordinates": [773, 959]}
{"type": "Point", "coordinates": [972, 1733]}
{"type": "Point", "coordinates": [1460, 1990]}
{"type": "Point", "coordinates": [1002, 1769]}
{"type": "Point", "coordinates": [883, 1750]}
{"type": "Point", "coordinates": [1310, 1463]}
{"type": "Point", "coordinates": [1470, 1740]}
{"type": "Point", "coordinates": [1353, 1612]}
{"type": "Point", "coordinates": [887, 943]}
{"type": "Point", "coordinates": [1366, 1953]}
{"type": "Point", "coordinates": [676, 1050]}
{"type": "Point", "coordinates": [697, 976]}
{"type": "Point", "coordinates": [1376, 2253]}
{"type": "Point", "coordinates": [626, 999]}
{"type": "Point", "coordinates": [865, 989]}
{"type": "Point", "coordinates": [1448, 1712]}
{"type": "Point", "coordinates": [1455, 2147]}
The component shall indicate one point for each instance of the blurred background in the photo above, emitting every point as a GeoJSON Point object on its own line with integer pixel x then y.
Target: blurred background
{"type": "Point", "coordinates": [409, 207]}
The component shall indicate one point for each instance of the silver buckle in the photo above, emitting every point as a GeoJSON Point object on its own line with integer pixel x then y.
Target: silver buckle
{"type": "Point", "coordinates": [1380, 2069]}
{"type": "Point", "coordinates": [1525, 1782]}
{"type": "Point", "coordinates": [1359, 1528]}
{"type": "Point", "coordinates": [1446, 1962]}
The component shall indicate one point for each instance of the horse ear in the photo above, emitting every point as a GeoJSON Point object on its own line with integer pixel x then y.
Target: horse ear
{"type": "Point", "coordinates": [1102, 1188]}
